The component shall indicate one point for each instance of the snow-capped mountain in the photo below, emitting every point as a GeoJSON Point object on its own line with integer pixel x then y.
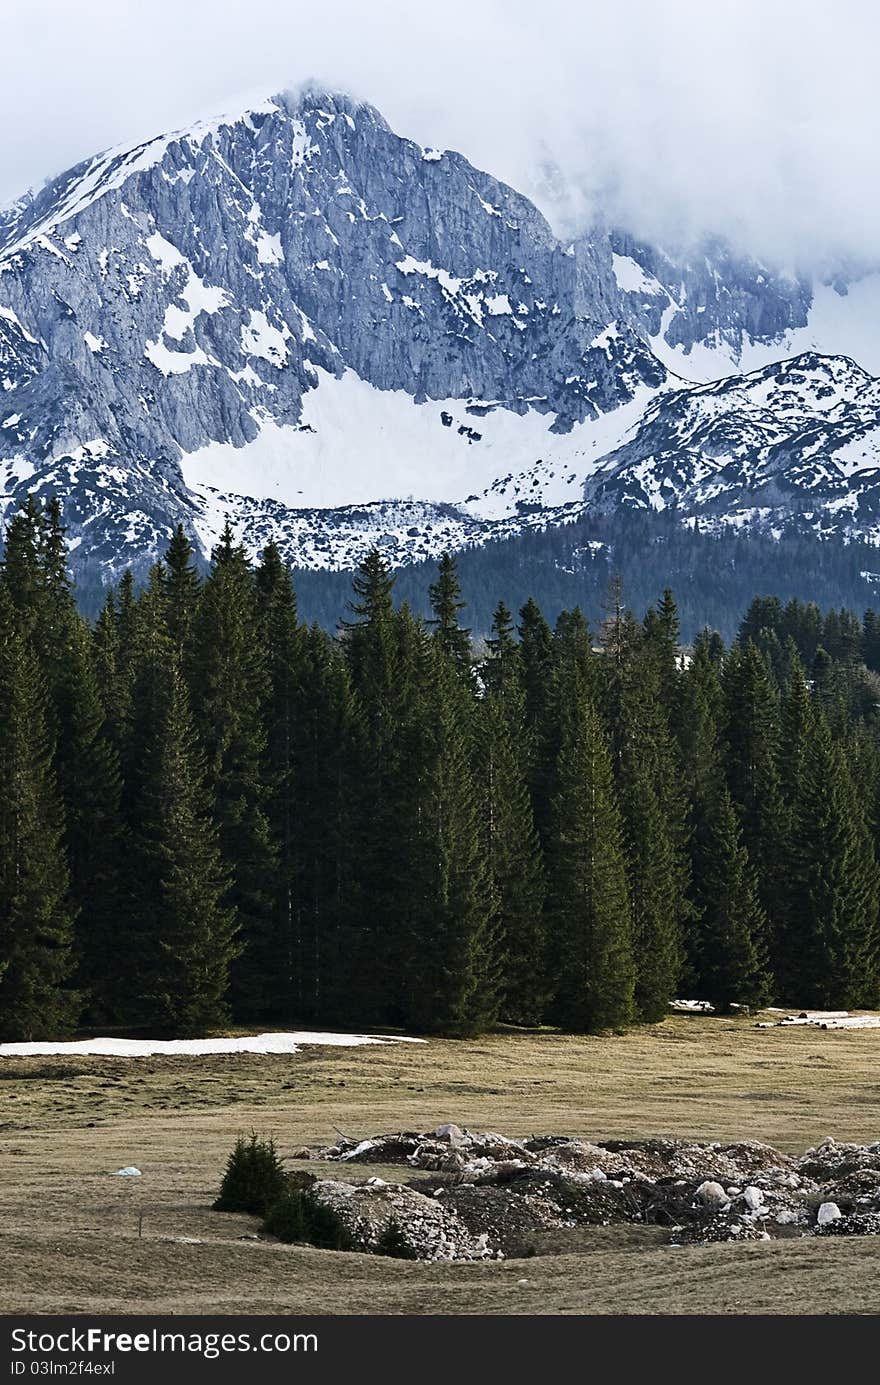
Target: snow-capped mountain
{"type": "Point", "coordinates": [299, 319]}
{"type": "Point", "coordinates": [793, 444]}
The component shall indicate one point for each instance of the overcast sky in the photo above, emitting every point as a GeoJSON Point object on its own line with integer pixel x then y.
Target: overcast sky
{"type": "Point", "coordinates": [757, 117]}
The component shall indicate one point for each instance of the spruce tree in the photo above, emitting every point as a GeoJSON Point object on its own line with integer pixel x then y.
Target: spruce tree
{"type": "Point", "coordinates": [229, 686]}
{"type": "Point", "coordinates": [662, 631]}
{"type": "Point", "coordinates": [751, 761]}
{"type": "Point", "coordinates": [731, 962]}
{"type": "Point", "coordinates": [388, 655]}
{"type": "Point", "coordinates": [181, 591]}
{"type": "Point", "coordinates": [446, 605]}
{"type": "Point", "coordinates": [502, 664]}
{"type": "Point", "coordinates": [326, 836]}
{"type": "Point", "coordinates": [36, 961]}
{"type": "Point", "coordinates": [700, 747]}
{"type": "Point", "coordinates": [512, 850]}
{"type": "Point", "coordinates": [90, 782]}
{"type": "Point", "coordinates": [537, 677]}
{"type": "Point", "coordinates": [179, 931]}
{"type": "Point", "coordinates": [831, 950]}
{"type": "Point", "coordinates": [589, 922]}
{"type": "Point", "coordinates": [283, 639]}
{"type": "Point", "coordinates": [453, 973]}
{"type": "Point", "coordinates": [637, 663]}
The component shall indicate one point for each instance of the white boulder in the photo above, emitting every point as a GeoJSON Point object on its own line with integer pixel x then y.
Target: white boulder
{"type": "Point", "coordinates": [828, 1212]}
{"type": "Point", "coordinates": [712, 1194]}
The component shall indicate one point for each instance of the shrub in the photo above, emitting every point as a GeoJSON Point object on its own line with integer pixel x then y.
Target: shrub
{"type": "Point", "coordinates": [298, 1217]}
{"type": "Point", "coordinates": [254, 1178]}
{"type": "Point", "coordinates": [393, 1242]}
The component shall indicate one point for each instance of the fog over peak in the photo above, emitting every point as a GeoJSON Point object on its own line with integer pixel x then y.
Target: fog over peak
{"type": "Point", "coordinates": [758, 121]}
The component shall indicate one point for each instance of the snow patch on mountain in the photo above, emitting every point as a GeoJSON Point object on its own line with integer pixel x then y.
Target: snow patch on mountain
{"type": "Point", "coordinates": [354, 444]}
{"type": "Point", "coordinates": [297, 318]}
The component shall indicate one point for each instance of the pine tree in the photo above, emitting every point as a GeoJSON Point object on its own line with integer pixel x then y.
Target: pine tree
{"type": "Point", "coordinates": [36, 960]}
{"type": "Point", "coordinates": [831, 953]}
{"type": "Point", "coordinates": [180, 933]}
{"type": "Point", "coordinates": [446, 604]}
{"type": "Point", "coordinates": [637, 663]}
{"type": "Point", "coordinates": [452, 982]}
{"type": "Point", "coordinates": [283, 639]}
{"type": "Point", "coordinates": [325, 841]}
{"type": "Point", "coordinates": [512, 851]}
{"type": "Point", "coordinates": [181, 591]}
{"type": "Point", "coordinates": [588, 909]}
{"type": "Point", "coordinates": [752, 755]}
{"type": "Point", "coordinates": [731, 963]}
{"type": "Point", "coordinates": [230, 685]}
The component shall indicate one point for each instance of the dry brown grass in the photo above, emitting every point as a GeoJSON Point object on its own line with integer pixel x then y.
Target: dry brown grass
{"type": "Point", "coordinates": [68, 1231]}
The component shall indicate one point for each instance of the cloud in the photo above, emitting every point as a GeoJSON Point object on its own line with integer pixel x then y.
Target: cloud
{"type": "Point", "coordinates": [756, 118]}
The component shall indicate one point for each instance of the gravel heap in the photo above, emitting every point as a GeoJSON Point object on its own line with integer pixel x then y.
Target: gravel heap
{"type": "Point", "coordinates": [486, 1196]}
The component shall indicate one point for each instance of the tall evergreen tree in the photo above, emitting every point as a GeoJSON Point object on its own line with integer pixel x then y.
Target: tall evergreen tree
{"type": "Point", "coordinates": [36, 961]}
{"type": "Point", "coordinates": [446, 605]}
{"type": "Point", "coordinates": [832, 941]}
{"type": "Point", "coordinates": [501, 667]}
{"type": "Point", "coordinates": [588, 909]}
{"type": "Point", "coordinates": [181, 591]}
{"type": "Point", "coordinates": [512, 848]}
{"type": "Point", "coordinates": [388, 655]}
{"type": "Point", "coordinates": [453, 977]}
{"type": "Point", "coordinates": [731, 960]}
{"type": "Point", "coordinates": [90, 781]}
{"type": "Point", "coordinates": [283, 640]}
{"type": "Point", "coordinates": [325, 840]}
{"type": "Point", "coordinates": [752, 766]}
{"type": "Point", "coordinates": [537, 673]}
{"type": "Point", "coordinates": [230, 686]}
{"type": "Point", "coordinates": [639, 664]}
{"type": "Point", "coordinates": [180, 933]}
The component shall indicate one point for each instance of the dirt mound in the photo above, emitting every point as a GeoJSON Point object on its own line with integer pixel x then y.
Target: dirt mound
{"type": "Point", "coordinates": [486, 1195]}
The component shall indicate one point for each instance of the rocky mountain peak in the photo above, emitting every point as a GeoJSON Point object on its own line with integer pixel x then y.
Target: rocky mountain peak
{"type": "Point", "coordinates": [296, 317]}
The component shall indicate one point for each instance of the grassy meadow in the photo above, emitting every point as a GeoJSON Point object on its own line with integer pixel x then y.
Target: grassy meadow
{"type": "Point", "coordinates": [69, 1231]}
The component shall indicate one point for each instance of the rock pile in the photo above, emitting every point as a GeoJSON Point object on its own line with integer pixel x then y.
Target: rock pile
{"type": "Point", "coordinates": [468, 1195]}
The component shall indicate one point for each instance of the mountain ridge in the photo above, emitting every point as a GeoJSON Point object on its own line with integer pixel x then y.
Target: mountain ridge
{"type": "Point", "coordinates": [296, 317]}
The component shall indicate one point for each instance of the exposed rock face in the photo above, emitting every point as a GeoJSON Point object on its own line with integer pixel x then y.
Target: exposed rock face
{"type": "Point", "coordinates": [302, 320]}
{"type": "Point", "coordinates": [193, 291]}
{"type": "Point", "coordinates": [710, 297]}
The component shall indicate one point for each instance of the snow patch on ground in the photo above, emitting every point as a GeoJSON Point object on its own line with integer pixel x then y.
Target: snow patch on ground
{"type": "Point", "coordinates": [824, 1019]}
{"type": "Point", "coordinates": [247, 1043]}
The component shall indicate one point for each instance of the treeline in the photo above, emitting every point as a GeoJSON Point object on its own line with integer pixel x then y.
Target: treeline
{"type": "Point", "coordinates": [213, 811]}
{"type": "Point", "coordinates": [714, 575]}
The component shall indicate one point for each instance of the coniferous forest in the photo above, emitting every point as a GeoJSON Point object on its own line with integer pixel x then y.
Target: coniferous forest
{"type": "Point", "coordinates": [214, 812]}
